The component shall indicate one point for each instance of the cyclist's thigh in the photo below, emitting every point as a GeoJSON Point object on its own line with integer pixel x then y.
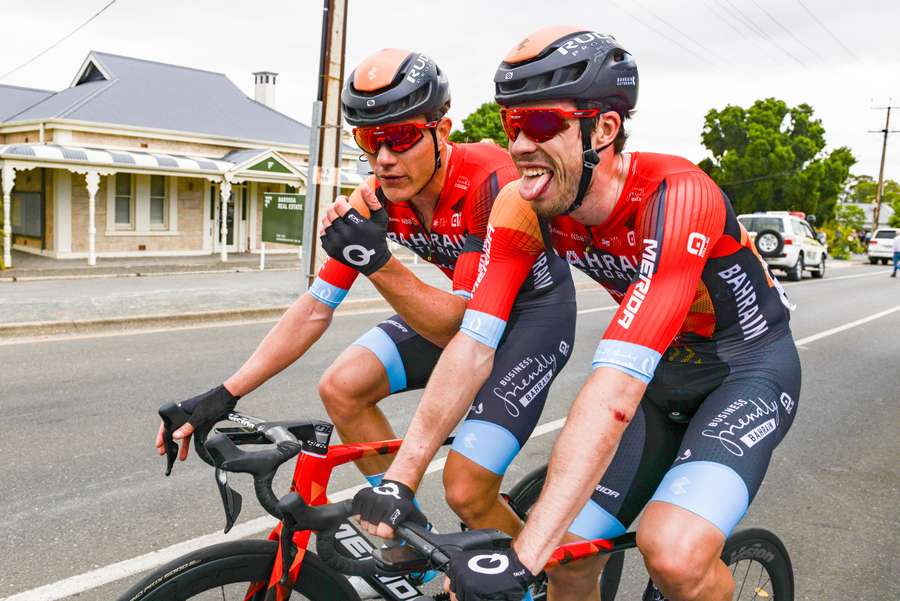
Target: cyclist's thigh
{"type": "Point", "coordinates": [406, 357]}
{"type": "Point", "coordinates": [645, 451]}
{"type": "Point", "coordinates": [537, 344]}
{"type": "Point", "coordinates": [728, 444]}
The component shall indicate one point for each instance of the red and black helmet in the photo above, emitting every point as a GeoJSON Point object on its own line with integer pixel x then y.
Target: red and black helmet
{"type": "Point", "coordinates": [568, 63]}
{"type": "Point", "coordinates": [393, 85]}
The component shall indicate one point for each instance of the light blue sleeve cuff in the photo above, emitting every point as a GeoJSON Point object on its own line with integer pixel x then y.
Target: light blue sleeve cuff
{"type": "Point", "coordinates": [483, 327]}
{"type": "Point", "coordinates": [635, 360]}
{"type": "Point", "coordinates": [463, 293]}
{"type": "Point", "coordinates": [327, 294]}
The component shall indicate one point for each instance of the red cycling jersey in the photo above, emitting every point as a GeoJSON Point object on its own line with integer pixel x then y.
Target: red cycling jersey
{"type": "Point", "coordinates": [475, 175]}
{"type": "Point", "coordinates": [671, 253]}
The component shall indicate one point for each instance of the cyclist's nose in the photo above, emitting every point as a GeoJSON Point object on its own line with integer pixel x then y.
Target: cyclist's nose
{"type": "Point", "coordinates": [385, 157]}
{"type": "Point", "coordinates": [522, 146]}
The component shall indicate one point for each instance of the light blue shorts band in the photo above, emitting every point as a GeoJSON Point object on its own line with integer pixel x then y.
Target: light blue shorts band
{"type": "Point", "coordinates": [483, 327]}
{"type": "Point", "coordinates": [489, 445]}
{"type": "Point", "coordinates": [595, 522]}
{"type": "Point", "coordinates": [713, 491]}
{"type": "Point", "coordinates": [326, 293]}
{"type": "Point", "coordinates": [377, 341]}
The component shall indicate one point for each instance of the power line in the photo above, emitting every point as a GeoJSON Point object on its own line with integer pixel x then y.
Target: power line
{"type": "Point", "coordinates": [828, 31]}
{"type": "Point", "coordinates": [786, 30]}
{"type": "Point", "coordinates": [657, 31]}
{"type": "Point", "coordinates": [759, 31]}
{"type": "Point", "coordinates": [58, 42]}
{"type": "Point", "coordinates": [683, 34]}
{"type": "Point", "coordinates": [714, 9]}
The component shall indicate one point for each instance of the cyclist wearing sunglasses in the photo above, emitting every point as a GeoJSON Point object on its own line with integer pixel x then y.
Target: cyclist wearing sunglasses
{"type": "Point", "coordinates": [696, 379]}
{"type": "Point", "coordinates": [456, 205]}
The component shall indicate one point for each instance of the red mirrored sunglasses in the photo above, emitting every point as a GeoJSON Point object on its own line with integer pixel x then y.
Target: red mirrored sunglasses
{"type": "Point", "coordinates": [540, 124]}
{"type": "Point", "coordinates": [399, 137]}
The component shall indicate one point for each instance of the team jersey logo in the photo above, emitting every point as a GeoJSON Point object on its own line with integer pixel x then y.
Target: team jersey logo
{"type": "Point", "coordinates": [697, 244]}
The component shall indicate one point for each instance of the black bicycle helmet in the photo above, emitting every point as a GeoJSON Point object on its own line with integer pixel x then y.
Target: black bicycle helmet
{"type": "Point", "coordinates": [570, 63]}
{"type": "Point", "coordinates": [393, 85]}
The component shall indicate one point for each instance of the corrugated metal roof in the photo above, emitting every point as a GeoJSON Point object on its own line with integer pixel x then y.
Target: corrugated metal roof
{"type": "Point", "coordinates": [143, 93]}
{"type": "Point", "coordinates": [14, 99]}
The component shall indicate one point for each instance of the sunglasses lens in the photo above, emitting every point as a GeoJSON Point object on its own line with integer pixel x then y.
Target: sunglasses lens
{"type": "Point", "coordinates": [540, 126]}
{"type": "Point", "coordinates": [399, 138]}
{"type": "Point", "coordinates": [510, 124]}
{"type": "Point", "coordinates": [402, 137]}
{"type": "Point", "coordinates": [366, 139]}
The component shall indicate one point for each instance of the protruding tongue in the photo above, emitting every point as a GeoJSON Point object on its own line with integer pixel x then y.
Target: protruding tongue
{"type": "Point", "coordinates": [530, 187]}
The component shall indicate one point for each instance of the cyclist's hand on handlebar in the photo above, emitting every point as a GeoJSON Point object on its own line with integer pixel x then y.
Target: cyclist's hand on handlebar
{"type": "Point", "coordinates": [209, 407]}
{"type": "Point", "coordinates": [383, 507]}
{"type": "Point", "coordinates": [476, 575]}
{"type": "Point", "coordinates": [182, 435]}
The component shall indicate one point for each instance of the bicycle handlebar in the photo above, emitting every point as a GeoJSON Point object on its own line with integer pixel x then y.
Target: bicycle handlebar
{"type": "Point", "coordinates": [222, 451]}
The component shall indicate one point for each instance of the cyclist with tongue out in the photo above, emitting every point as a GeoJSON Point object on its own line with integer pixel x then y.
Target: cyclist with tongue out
{"type": "Point", "coordinates": [696, 379]}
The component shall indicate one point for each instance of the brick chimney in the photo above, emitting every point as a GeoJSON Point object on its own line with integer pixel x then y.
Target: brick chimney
{"type": "Point", "coordinates": [265, 87]}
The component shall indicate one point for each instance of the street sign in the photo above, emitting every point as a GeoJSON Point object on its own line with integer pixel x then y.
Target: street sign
{"type": "Point", "coordinates": [283, 218]}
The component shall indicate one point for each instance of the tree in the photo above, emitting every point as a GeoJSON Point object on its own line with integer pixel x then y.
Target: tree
{"type": "Point", "coordinates": [850, 216]}
{"type": "Point", "coordinates": [771, 157]}
{"type": "Point", "coordinates": [482, 123]}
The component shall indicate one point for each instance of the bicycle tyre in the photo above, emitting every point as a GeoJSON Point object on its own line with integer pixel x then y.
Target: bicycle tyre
{"type": "Point", "coordinates": [232, 563]}
{"type": "Point", "coordinates": [524, 494]}
{"type": "Point", "coordinates": [756, 545]}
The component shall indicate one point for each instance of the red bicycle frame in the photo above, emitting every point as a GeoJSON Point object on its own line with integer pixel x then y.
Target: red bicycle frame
{"type": "Point", "coordinates": [311, 475]}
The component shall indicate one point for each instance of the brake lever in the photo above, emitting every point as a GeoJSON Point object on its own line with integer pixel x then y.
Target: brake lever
{"type": "Point", "coordinates": [286, 541]}
{"type": "Point", "coordinates": [173, 417]}
{"type": "Point", "coordinates": [231, 499]}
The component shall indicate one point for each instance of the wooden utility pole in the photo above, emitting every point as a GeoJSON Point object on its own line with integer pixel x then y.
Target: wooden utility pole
{"type": "Point", "coordinates": [324, 177]}
{"type": "Point", "coordinates": [876, 214]}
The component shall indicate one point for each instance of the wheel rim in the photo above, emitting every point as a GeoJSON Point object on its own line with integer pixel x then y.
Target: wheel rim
{"type": "Point", "coordinates": [751, 581]}
{"type": "Point", "coordinates": [767, 243]}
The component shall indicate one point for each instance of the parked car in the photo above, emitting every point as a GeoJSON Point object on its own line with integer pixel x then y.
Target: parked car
{"type": "Point", "coordinates": [881, 245]}
{"type": "Point", "coordinates": [787, 241]}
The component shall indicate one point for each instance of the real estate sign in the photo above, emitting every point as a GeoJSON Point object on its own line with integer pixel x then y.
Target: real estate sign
{"type": "Point", "coordinates": [283, 218]}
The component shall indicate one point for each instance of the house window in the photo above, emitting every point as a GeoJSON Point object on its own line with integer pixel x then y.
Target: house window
{"type": "Point", "coordinates": [158, 202]}
{"type": "Point", "coordinates": [124, 208]}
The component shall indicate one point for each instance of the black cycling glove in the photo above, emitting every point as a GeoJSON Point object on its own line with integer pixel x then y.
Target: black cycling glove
{"type": "Point", "coordinates": [358, 242]}
{"type": "Point", "coordinates": [211, 406]}
{"type": "Point", "coordinates": [390, 502]}
{"type": "Point", "coordinates": [497, 576]}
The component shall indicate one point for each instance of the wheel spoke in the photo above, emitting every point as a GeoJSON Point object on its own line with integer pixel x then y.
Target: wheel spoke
{"type": "Point", "coordinates": [744, 581]}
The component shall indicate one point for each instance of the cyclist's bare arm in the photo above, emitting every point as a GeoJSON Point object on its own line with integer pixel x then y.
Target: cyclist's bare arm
{"type": "Point", "coordinates": [298, 329]}
{"type": "Point", "coordinates": [459, 374]}
{"type": "Point", "coordinates": [598, 417]}
{"type": "Point", "coordinates": [433, 313]}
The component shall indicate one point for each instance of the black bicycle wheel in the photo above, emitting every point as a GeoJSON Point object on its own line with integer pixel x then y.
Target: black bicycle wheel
{"type": "Point", "coordinates": [224, 572]}
{"type": "Point", "coordinates": [524, 494]}
{"type": "Point", "coordinates": [760, 565]}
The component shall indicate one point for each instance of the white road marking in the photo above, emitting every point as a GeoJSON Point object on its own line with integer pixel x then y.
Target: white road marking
{"type": "Point", "coordinates": [129, 567]}
{"type": "Point", "coordinates": [846, 326]}
{"type": "Point", "coordinates": [598, 309]}
{"type": "Point", "coordinates": [843, 277]}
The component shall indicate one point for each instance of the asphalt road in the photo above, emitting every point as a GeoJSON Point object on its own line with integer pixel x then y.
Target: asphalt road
{"type": "Point", "coordinates": [82, 488]}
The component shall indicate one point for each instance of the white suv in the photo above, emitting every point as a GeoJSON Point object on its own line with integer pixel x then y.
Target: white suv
{"type": "Point", "coordinates": [881, 246]}
{"type": "Point", "coordinates": [787, 241]}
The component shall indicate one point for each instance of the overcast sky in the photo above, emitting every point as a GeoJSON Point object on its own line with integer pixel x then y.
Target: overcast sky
{"type": "Point", "coordinates": [693, 55]}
